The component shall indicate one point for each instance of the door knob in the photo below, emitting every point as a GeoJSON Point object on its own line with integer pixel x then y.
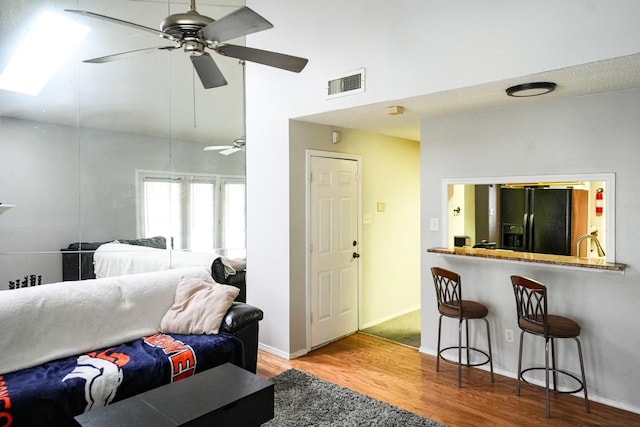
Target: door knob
{"type": "Point", "coordinates": [356, 255]}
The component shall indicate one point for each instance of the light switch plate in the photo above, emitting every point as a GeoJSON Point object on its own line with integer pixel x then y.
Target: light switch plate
{"type": "Point", "coordinates": [434, 224]}
{"type": "Point", "coordinates": [367, 219]}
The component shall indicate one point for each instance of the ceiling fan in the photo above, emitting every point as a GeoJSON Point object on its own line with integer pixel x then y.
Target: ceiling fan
{"type": "Point", "coordinates": [238, 145]}
{"type": "Point", "coordinates": [195, 33]}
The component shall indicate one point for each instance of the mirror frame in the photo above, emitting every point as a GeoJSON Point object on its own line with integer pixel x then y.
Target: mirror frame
{"type": "Point", "coordinates": [609, 202]}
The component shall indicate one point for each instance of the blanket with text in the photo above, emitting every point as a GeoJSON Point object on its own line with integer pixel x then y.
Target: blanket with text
{"type": "Point", "coordinates": [53, 393]}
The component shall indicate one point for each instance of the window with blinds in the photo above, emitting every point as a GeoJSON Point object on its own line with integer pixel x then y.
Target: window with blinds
{"type": "Point", "coordinates": [195, 212]}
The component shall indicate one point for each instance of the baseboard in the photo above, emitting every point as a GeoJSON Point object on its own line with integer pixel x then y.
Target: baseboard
{"type": "Point", "coordinates": [540, 383]}
{"type": "Point", "coordinates": [280, 353]}
{"type": "Point", "coordinates": [389, 317]}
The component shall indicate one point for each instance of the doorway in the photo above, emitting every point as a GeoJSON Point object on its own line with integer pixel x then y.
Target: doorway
{"type": "Point", "coordinates": [403, 329]}
{"type": "Point", "coordinates": [333, 237]}
{"type": "Point", "coordinates": [388, 241]}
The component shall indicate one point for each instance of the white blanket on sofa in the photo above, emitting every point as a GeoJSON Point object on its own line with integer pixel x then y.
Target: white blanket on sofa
{"type": "Point", "coordinates": [43, 323]}
{"type": "Point", "coordinates": [116, 259]}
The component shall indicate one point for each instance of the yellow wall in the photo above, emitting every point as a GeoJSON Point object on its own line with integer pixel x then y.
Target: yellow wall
{"type": "Point", "coordinates": [390, 247]}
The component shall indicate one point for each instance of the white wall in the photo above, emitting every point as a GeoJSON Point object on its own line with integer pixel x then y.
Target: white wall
{"type": "Point", "coordinates": [583, 135]}
{"type": "Point", "coordinates": [409, 48]}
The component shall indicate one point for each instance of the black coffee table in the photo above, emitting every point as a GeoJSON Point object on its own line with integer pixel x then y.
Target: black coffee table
{"type": "Point", "coordinates": [223, 396]}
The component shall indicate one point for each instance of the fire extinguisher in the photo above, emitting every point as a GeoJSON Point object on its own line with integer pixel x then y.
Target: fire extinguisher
{"type": "Point", "coordinates": [599, 201]}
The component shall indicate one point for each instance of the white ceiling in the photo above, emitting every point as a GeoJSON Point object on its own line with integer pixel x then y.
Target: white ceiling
{"type": "Point", "coordinates": [597, 77]}
{"type": "Point", "coordinates": [112, 96]}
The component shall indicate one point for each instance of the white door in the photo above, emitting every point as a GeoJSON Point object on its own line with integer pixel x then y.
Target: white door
{"type": "Point", "coordinates": [333, 260]}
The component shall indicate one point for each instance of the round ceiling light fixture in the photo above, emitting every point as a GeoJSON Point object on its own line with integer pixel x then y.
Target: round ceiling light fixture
{"type": "Point", "coordinates": [531, 89]}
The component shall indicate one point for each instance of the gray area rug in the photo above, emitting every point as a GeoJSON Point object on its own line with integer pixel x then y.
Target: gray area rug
{"type": "Point", "coordinates": [304, 400]}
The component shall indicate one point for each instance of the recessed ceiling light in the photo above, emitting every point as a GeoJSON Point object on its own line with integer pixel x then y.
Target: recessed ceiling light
{"type": "Point", "coordinates": [531, 89]}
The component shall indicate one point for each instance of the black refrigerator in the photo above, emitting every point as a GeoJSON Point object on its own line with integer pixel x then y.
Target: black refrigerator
{"type": "Point", "coordinates": [536, 219]}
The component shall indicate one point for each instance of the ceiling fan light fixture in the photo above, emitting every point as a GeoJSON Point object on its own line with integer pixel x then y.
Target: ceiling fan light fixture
{"type": "Point", "coordinates": [194, 47]}
{"type": "Point", "coordinates": [531, 89]}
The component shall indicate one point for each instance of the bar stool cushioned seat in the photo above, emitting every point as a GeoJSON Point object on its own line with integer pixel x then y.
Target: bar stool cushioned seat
{"type": "Point", "coordinates": [450, 304]}
{"type": "Point", "coordinates": [531, 304]}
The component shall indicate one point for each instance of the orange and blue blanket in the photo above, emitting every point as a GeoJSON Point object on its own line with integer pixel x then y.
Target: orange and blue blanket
{"type": "Point", "coordinates": [53, 393]}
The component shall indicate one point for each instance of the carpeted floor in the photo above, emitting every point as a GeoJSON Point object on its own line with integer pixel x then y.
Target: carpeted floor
{"type": "Point", "coordinates": [404, 329]}
{"type": "Point", "coordinates": [302, 399]}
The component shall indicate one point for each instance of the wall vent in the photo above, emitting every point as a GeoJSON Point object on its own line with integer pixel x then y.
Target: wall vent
{"type": "Point", "coordinates": [347, 85]}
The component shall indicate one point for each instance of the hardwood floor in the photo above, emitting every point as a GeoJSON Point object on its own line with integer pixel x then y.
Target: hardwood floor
{"type": "Point", "coordinates": [403, 377]}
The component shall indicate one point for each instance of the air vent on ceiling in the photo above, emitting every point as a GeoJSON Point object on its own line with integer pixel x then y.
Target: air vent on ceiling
{"type": "Point", "coordinates": [347, 85]}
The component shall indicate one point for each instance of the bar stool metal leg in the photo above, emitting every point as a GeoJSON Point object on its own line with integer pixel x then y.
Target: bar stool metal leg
{"type": "Point", "coordinates": [438, 354]}
{"type": "Point", "coordinates": [546, 374]}
{"type": "Point", "coordinates": [466, 321]}
{"type": "Point", "coordinates": [520, 363]}
{"type": "Point", "coordinates": [460, 352]}
{"type": "Point", "coordinates": [584, 379]}
{"type": "Point", "coordinates": [553, 364]}
{"type": "Point", "coordinates": [490, 353]}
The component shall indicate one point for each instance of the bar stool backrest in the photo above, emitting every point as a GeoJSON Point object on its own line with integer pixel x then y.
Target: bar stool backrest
{"type": "Point", "coordinates": [531, 304]}
{"type": "Point", "coordinates": [448, 288]}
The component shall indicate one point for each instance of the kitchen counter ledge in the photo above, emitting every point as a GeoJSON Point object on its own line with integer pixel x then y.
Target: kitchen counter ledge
{"type": "Point", "coordinates": [557, 260]}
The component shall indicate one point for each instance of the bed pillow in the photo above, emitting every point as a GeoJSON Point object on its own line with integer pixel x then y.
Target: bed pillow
{"type": "Point", "coordinates": [199, 307]}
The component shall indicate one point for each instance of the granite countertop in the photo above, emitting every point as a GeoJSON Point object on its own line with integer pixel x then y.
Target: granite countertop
{"type": "Point", "coordinates": [559, 260]}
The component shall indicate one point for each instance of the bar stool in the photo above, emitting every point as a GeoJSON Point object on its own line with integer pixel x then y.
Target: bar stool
{"type": "Point", "coordinates": [450, 304]}
{"type": "Point", "coordinates": [531, 303]}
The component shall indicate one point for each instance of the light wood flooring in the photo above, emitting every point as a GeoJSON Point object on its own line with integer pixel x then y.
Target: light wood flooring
{"type": "Point", "coordinates": [403, 377]}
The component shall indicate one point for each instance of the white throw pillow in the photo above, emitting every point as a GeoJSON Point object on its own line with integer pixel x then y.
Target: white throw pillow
{"type": "Point", "coordinates": [199, 307]}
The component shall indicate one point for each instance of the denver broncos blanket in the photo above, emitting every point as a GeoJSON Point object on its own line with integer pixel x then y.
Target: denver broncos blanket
{"type": "Point", "coordinates": [53, 393]}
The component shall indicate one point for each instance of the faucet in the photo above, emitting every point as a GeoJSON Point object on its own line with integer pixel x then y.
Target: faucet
{"type": "Point", "coordinates": [593, 237]}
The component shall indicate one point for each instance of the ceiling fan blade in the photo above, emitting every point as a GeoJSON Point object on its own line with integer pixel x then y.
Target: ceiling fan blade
{"type": "Point", "coordinates": [217, 147]}
{"type": "Point", "coordinates": [121, 22]}
{"type": "Point", "coordinates": [273, 59]}
{"type": "Point", "coordinates": [230, 151]}
{"type": "Point", "coordinates": [128, 54]}
{"type": "Point", "coordinates": [236, 24]}
{"type": "Point", "coordinates": [209, 73]}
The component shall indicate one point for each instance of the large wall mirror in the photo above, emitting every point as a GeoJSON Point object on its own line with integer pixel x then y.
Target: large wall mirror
{"type": "Point", "coordinates": [94, 153]}
{"type": "Point", "coordinates": [571, 215]}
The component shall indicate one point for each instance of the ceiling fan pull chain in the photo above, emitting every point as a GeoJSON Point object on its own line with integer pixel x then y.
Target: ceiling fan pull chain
{"type": "Point", "coordinates": [193, 88]}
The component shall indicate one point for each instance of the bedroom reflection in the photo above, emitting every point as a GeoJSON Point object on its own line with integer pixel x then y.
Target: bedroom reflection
{"type": "Point", "coordinates": [89, 158]}
{"type": "Point", "coordinates": [73, 186]}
